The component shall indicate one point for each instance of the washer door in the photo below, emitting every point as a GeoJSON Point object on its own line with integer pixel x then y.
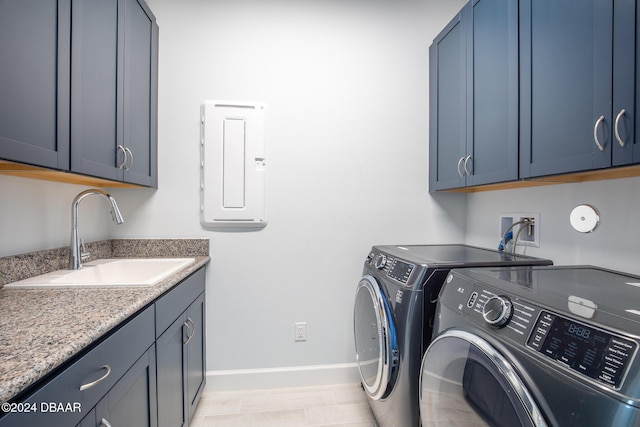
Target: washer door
{"type": "Point", "coordinates": [466, 381]}
{"type": "Point", "coordinates": [375, 337]}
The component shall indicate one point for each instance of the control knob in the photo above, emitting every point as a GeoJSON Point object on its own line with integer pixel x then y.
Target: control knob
{"type": "Point", "coordinates": [381, 261]}
{"type": "Point", "coordinates": [497, 310]}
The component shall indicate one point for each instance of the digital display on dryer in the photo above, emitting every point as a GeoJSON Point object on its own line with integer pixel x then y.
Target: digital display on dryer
{"type": "Point", "coordinates": [596, 353]}
{"type": "Point", "coordinates": [400, 271]}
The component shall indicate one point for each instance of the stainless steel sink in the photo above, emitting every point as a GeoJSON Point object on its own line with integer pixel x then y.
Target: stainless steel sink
{"type": "Point", "coordinates": [108, 273]}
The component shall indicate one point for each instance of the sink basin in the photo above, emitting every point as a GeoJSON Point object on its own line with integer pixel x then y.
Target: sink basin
{"type": "Point", "coordinates": [107, 273]}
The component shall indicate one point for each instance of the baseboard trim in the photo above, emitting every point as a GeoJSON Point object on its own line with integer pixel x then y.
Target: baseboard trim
{"type": "Point", "coordinates": [295, 376]}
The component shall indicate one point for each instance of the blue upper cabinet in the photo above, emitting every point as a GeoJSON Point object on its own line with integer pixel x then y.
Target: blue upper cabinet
{"type": "Point", "coordinates": [492, 87]}
{"type": "Point", "coordinates": [114, 90]}
{"type": "Point", "coordinates": [474, 97]}
{"type": "Point", "coordinates": [448, 106]}
{"type": "Point", "coordinates": [140, 101]}
{"type": "Point", "coordinates": [538, 88]}
{"type": "Point", "coordinates": [626, 94]}
{"type": "Point", "coordinates": [78, 87]}
{"type": "Point", "coordinates": [577, 97]}
{"type": "Point", "coordinates": [34, 84]}
{"type": "Point", "coordinates": [96, 76]}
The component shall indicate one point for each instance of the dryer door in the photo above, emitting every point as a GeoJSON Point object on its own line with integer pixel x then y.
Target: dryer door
{"type": "Point", "coordinates": [466, 381]}
{"type": "Point", "coordinates": [375, 337]}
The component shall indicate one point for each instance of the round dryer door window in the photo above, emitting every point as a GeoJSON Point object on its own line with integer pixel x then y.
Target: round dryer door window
{"type": "Point", "coordinates": [466, 381]}
{"type": "Point", "coordinates": [375, 337]}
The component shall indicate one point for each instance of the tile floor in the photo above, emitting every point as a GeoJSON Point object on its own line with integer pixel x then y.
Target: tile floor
{"type": "Point", "coordinates": [343, 405]}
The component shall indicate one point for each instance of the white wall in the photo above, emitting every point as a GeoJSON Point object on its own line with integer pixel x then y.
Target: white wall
{"type": "Point", "coordinates": [347, 87]}
{"type": "Point", "coordinates": [613, 244]}
{"type": "Point", "coordinates": [346, 83]}
{"type": "Point", "coordinates": [36, 215]}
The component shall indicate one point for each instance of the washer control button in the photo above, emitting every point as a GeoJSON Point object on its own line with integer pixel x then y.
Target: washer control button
{"type": "Point", "coordinates": [497, 311]}
{"type": "Point", "coordinates": [472, 299]}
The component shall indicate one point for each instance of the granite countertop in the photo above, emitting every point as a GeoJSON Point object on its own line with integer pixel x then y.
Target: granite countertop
{"type": "Point", "coordinates": [40, 329]}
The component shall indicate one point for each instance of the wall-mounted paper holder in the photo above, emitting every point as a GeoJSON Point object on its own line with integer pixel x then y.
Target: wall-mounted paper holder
{"type": "Point", "coordinates": [233, 164]}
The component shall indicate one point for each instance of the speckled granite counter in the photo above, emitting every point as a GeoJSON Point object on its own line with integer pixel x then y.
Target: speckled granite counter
{"type": "Point", "coordinates": [41, 329]}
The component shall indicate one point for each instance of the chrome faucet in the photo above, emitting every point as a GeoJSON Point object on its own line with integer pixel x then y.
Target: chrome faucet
{"type": "Point", "coordinates": [76, 255]}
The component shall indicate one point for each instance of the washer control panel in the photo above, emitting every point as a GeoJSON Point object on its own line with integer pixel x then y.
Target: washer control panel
{"type": "Point", "coordinates": [497, 310]}
{"type": "Point", "coordinates": [601, 355]}
{"type": "Point", "coordinates": [515, 316]}
{"type": "Point", "coordinates": [596, 353]}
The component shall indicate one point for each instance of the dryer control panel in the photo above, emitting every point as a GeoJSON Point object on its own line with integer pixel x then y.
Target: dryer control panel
{"type": "Point", "coordinates": [394, 268]}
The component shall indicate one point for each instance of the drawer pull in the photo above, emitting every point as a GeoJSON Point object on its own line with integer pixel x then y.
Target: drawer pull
{"type": "Point", "coordinates": [460, 164]}
{"type": "Point", "coordinates": [595, 133]}
{"type": "Point", "coordinates": [191, 327]}
{"type": "Point", "coordinates": [124, 156]}
{"type": "Point", "coordinates": [105, 423]}
{"type": "Point", "coordinates": [86, 386]}
{"type": "Point", "coordinates": [130, 155]}
{"type": "Point", "coordinates": [466, 163]}
{"type": "Point", "coordinates": [615, 128]}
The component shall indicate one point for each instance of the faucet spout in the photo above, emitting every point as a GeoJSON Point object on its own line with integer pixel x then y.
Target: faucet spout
{"type": "Point", "coordinates": [115, 212]}
{"type": "Point", "coordinates": [76, 256]}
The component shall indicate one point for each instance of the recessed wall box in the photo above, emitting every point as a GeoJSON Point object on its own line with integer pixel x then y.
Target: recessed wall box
{"type": "Point", "coordinates": [233, 164]}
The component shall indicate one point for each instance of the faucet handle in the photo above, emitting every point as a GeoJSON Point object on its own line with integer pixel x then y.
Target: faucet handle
{"type": "Point", "coordinates": [84, 254]}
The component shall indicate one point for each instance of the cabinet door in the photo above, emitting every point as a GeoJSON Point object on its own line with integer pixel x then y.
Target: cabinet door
{"type": "Point", "coordinates": [96, 73]}
{"type": "Point", "coordinates": [492, 107]}
{"type": "Point", "coordinates": [171, 359]}
{"type": "Point", "coordinates": [565, 86]}
{"type": "Point", "coordinates": [140, 93]}
{"type": "Point", "coordinates": [196, 354]}
{"type": "Point", "coordinates": [89, 420]}
{"type": "Point", "coordinates": [132, 401]}
{"type": "Point", "coordinates": [626, 92]}
{"type": "Point", "coordinates": [34, 87]}
{"type": "Point", "coordinates": [447, 106]}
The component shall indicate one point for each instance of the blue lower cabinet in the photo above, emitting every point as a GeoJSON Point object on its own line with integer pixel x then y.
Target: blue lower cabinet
{"type": "Point", "coordinates": [138, 376]}
{"type": "Point", "coordinates": [131, 402]}
{"type": "Point", "coordinates": [181, 352]}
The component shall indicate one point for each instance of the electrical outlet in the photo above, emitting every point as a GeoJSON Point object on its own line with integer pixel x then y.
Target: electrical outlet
{"type": "Point", "coordinates": [301, 331]}
{"type": "Point", "coordinates": [527, 234]}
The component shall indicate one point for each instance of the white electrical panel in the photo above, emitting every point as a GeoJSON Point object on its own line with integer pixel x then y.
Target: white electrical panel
{"type": "Point", "coordinates": [233, 164]}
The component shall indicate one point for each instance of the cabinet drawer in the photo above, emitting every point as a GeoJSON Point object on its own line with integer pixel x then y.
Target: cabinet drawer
{"type": "Point", "coordinates": [176, 301]}
{"type": "Point", "coordinates": [119, 352]}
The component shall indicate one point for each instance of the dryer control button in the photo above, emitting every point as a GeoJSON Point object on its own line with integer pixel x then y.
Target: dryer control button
{"type": "Point", "coordinates": [497, 311]}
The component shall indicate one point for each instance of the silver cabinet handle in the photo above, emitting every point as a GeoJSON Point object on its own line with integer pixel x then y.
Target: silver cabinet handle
{"type": "Point", "coordinates": [130, 155]}
{"type": "Point", "coordinates": [595, 133]}
{"type": "Point", "coordinates": [124, 156]}
{"type": "Point", "coordinates": [460, 163]}
{"type": "Point", "coordinates": [105, 423]}
{"type": "Point", "coordinates": [86, 386]}
{"type": "Point", "coordinates": [191, 327]}
{"type": "Point", "coordinates": [466, 162]}
{"type": "Point", "coordinates": [615, 128]}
